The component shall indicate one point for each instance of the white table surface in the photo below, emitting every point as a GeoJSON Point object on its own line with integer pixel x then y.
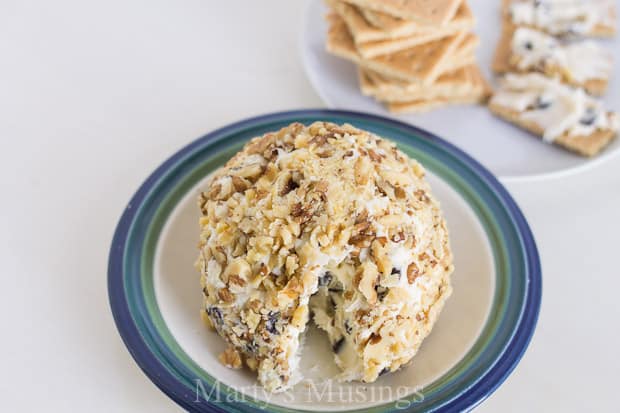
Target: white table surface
{"type": "Point", "coordinates": [94, 95]}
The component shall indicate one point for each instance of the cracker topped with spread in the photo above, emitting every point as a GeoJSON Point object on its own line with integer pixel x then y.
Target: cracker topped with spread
{"type": "Point", "coordinates": [556, 112]}
{"type": "Point", "coordinates": [564, 17]}
{"type": "Point", "coordinates": [584, 64]}
{"type": "Point", "coordinates": [329, 223]}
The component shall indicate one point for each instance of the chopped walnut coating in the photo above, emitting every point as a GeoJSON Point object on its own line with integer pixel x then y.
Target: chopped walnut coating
{"type": "Point", "coordinates": [231, 358]}
{"type": "Point", "coordinates": [326, 220]}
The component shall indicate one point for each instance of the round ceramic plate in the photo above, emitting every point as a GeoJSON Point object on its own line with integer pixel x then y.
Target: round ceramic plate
{"type": "Point", "coordinates": [507, 151]}
{"type": "Point", "coordinates": [482, 332]}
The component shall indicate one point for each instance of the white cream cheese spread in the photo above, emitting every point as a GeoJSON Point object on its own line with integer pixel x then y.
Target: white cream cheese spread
{"type": "Point", "coordinates": [556, 108]}
{"type": "Point", "coordinates": [562, 17]}
{"type": "Point", "coordinates": [579, 61]}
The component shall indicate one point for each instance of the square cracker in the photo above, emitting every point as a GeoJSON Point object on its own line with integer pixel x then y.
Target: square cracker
{"type": "Point", "coordinates": [462, 55]}
{"type": "Point", "coordinates": [427, 12]}
{"type": "Point", "coordinates": [394, 27]}
{"type": "Point", "coordinates": [422, 63]}
{"type": "Point", "coordinates": [424, 105]}
{"type": "Point", "coordinates": [583, 145]}
{"type": "Point", "coordinates": [383, 47]}
{"type": "Point", "coordinates": [504, 61]}
{"type": "Point", "coordinates": [599, 30]}
{"type": "Point", "coordinates": [459, 73]}
{"type": "Point", "coordinates": [458, 83]}
{"type": "Point", "coordinates": [453, 72]}
{"type": "Point", "coordinates": [363, 31]}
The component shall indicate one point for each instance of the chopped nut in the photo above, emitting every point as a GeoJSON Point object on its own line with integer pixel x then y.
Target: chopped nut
{"type": "Point", "coordinates": [412, 272]}
{"type": "Point", "coordinates": [252, 319]}
{"type": "Point", "coordinates": [421, 195]}
{"type": "Point", "coordinates": [239, 270]}
{"type": "Point", "coordinates": [225, 295]}
{"type": "Point", "coordinates": [235, 279]}
{"type": "Point", "coordinates": [362, 216]}
{"type": "Point", "coordinates": [289, 186]}
{"type": "Point", "coordinates": [231, 358]}
{"type": "Point", "coordinates": [255, 305]}
{"type": "Point", "coordinates": [252, 363]}
{"type": "Point", "coordinates": [398, 236]}
{"type": "Point", "coordinates": [240, 184]}
{"type": "Point", "coordinates": [381, 256]}
{"type": "Point", "coordinates": [297, 210]}
{"type": "Point", "coordinates": [374, 156]}
{"type": "Point", "coordinates": [291, 264]}
{"type": "Point", "coordinates": [362, 169]}
{"type": "Point", "coordinates": [367, 278]}
{"type": "Point", "coordinates": [321, 186]}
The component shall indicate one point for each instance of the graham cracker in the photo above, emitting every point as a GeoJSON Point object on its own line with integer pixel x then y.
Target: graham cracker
{"type": "Point", "coordinates": [450, 71]}
{"type": "Point", "coordinates": [583, 145]}
{"type": "Point", "coordinates": [418, 106]}
{"type": "Point", "coordinates": [599, 30]}
{"type": "Point", "coordinates": [383, 21]}
{"type": "Point", "coordinates": [422, 63]}
{"type": "Point", "coordinates": [364, 31]}
{"type": "Point", "coordinates": [453, 83]}
{"type": "Point", "coordinates": [501, 58]}
{"type": "Point", "coordinates": [463, 55]}
{"type": "Point", "coordinates": [378, 47]}
{"type": "Point", "coordinates": [382, 47]}
{"type": "Point", "coordinates": [427, 12]}
{"type": "Point", "coordinates": [360, 29]}
{"type": "Point", "coordinates": [394, 27]}
{"type": "Point", "coordinates": [504, 61]}
{"type": "Point", "coordinates": [462, 82]}
{"type": "Point", "coordinates": [461, 70]}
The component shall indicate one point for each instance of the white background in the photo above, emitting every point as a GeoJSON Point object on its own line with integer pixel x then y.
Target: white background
{"type": "Point", "coordinates": [94, 95]}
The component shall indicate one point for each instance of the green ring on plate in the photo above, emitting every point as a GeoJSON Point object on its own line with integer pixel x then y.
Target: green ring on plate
{"type": "Point", "coordinates": [495, 353]}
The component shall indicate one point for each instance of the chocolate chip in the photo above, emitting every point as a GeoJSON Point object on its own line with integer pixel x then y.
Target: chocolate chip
{"type": "Point", "coordinates": [384, 371]}
{"type": "Point", "coordinates": [338, 345]}
{"type": "Point", "coordinates": [325, 279]}
{"type": "Point", "coordinates": [216, 314]}
{"type": "Point", "coordinates": [251, 347]}
{"type": "Point", "coordinates": [347, 327]}
{"type": "Point", "coordinates": [541, 103]}
{"type": "Point", "coordinates": [381, 292]}
{"type": "Point", "coordinates": [588, 117]}
{"type": "Point", "coordinates": [270, 324]}
{"type": "Point", "coordinates": [528, 45]}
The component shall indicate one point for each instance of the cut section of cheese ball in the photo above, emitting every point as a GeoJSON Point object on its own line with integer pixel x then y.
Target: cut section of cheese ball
{"type": "Point", "coordinates": [325, 220]}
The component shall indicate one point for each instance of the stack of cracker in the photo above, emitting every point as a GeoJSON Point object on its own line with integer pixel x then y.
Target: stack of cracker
{"type": "Point", "coordinates": [552, 71]}
{"type": "Point", "coordinates": [413, 55]}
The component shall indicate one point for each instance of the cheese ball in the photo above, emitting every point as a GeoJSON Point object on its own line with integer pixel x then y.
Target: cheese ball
{"type": "Point", "coordinates": [326, 223]}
